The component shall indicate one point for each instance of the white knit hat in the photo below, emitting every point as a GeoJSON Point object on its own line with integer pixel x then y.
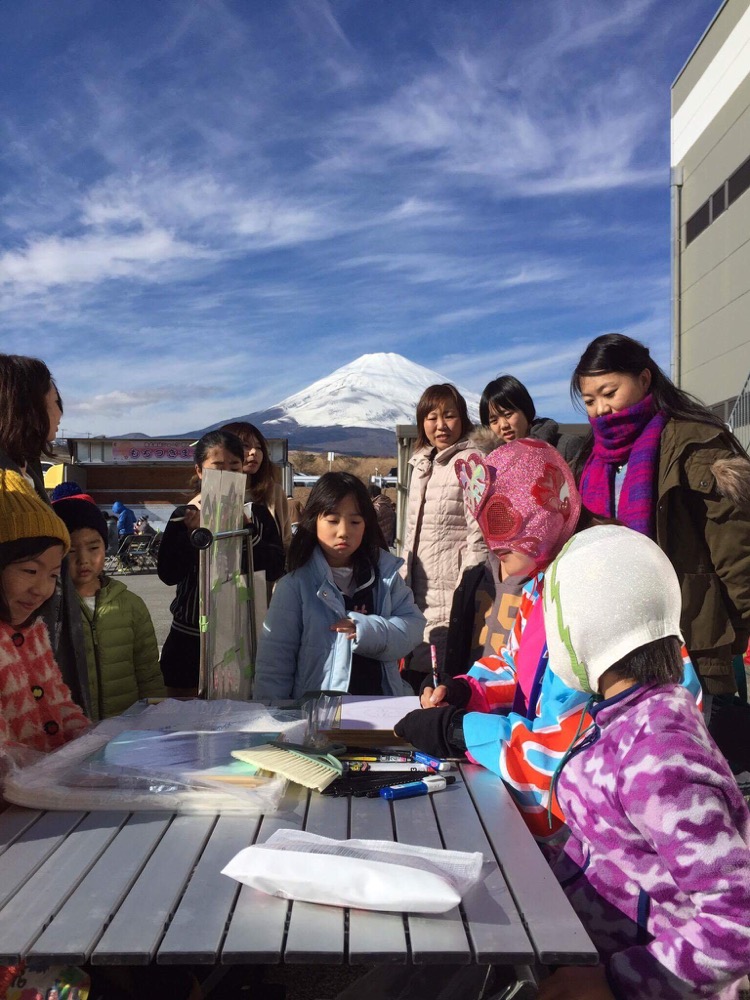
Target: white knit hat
{"type": "Point", "coordinates": [610, 591]}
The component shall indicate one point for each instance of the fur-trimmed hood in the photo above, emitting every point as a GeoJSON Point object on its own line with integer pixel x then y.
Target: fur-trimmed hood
{"type": "Point", "coordinates": [733, 479]}
{"type": "Point", "coordinates": [484, 440]}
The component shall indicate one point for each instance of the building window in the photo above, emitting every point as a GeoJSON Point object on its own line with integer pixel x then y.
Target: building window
{"type": "Point", "coordinates": [697, 222]}
{"type": "Point", "coordinates": [723, 409]}
{"type": "Point", "coordinates": [718, 202]}
{"type": "Point", "coordinates": [739, 182]}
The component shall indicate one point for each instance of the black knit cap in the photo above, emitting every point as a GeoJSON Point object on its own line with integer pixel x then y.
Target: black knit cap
{"type": "Point", "coordinates": [79, 511]}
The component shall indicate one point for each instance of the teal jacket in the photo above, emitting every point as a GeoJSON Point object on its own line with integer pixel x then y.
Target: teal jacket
{"type": "Point", "coordinates": [121, 651]}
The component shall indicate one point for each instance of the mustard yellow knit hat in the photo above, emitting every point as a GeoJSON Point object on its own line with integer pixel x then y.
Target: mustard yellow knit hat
{"type": "Point", "coordinates": [25, 515]}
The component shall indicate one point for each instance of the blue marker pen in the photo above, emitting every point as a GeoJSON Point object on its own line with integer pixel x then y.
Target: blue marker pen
{"type": "Point", "coordinates": [434, 762]}
{"type": "Point", "coordinates": [429, 784]}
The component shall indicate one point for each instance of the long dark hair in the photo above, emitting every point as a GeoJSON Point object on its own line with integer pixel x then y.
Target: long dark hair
{"type": "Point", "coordinates": [614, 352]}
{"type": "Point", "coordinates": [214, 439]}
{"type": "Point", "coordinates": [505, 393]}
{"type": "Point", "coordinates": [588, 519]}
{"type": "Point", "coordinates": [260, 483]}
{"type": "Point", "coordinates": [436, 396]}
{"type": "Point", "coordinates": [324, 497]}
{"type": "Point", "coordinates": [24, 420]}
{"type": "Point", "coordinates": [19, 550]}
{"type": "Point", "coordinates": [658, 662]}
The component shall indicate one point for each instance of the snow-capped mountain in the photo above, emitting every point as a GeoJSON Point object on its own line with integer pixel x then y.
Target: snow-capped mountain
{"type": "Point", "coordinates": [355, 409]}
{"type": "Point", "coordinates": [376, 390]}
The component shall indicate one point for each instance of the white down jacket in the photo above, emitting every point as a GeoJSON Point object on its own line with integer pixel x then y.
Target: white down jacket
{"type": "Point", "coordinates": [441, 540]}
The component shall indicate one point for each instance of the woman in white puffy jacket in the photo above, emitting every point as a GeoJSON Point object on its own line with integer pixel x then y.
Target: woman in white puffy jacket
{"type": "Point", "coordinates": [441, 537]}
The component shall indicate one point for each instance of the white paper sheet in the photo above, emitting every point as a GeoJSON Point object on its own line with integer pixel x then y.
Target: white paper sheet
{"type": "Point", "coordinates": [375, 712]}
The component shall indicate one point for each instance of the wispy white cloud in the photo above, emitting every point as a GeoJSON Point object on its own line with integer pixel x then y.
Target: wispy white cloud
{"type": "Point", "coordinates": [117, 403]}
{"type": "Point", "coordinates": [518, 120]}
{"type": "Point", "coordinates": [461, 271]}
{"type": "Point", "coordinates": [523, 358]}
{"type": "Point", "coordinates": [214, 209]}
{"type": "Point", "coordinates": [51, 261]}
{"type": "Point", "coordinates": [318, 21]}
{"type": "Point", "coordinates": [579, 26]}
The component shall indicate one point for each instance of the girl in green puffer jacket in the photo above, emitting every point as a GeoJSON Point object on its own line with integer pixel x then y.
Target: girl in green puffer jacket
{"type": "Point", "coordinates": [121, 650]}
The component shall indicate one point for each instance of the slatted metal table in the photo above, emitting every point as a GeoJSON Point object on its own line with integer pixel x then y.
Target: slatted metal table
{"type": "Point", "coordinates": [132, 888]}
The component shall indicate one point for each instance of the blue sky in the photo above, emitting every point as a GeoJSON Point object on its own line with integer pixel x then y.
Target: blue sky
{"type": "Point", "coordinates": [206, 205]}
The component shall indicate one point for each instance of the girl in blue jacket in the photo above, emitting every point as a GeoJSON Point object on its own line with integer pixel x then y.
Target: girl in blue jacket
{"type": "Point", "coordinates": [342, 618]}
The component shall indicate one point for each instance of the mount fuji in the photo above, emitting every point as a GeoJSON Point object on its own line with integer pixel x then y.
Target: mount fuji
{"type": "Point", "coordinates": [353, 410]}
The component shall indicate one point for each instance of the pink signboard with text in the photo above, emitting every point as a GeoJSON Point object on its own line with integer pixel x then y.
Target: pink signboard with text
{"type": "Point", "coordinates": [151, 451]}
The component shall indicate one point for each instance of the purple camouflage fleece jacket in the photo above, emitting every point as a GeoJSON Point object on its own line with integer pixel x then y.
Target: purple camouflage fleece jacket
{"type": "Point", "coordinates": [657, 864]}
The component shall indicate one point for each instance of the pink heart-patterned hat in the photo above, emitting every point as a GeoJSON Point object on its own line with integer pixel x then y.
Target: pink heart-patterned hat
{"type": "Point", "coordinates": [523, 496]}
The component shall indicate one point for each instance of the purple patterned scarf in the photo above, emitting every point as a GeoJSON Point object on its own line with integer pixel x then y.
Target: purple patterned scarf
{"type": "Point", "coordinates": [631, 437]}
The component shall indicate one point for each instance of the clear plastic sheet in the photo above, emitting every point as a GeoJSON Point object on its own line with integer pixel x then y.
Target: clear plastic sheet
{"type": "Point", "coordinates": [175, 756]}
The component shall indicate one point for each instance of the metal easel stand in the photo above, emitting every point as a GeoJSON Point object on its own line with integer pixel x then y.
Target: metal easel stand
{"type": "Point", "coordinates": [202, 539]}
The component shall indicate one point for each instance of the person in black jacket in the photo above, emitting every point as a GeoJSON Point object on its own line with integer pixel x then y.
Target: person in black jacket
{"type": "Point", "coordinates": [484, 608]}
{"type": "Point", "coordinates": [386, 512]}
{"type": "Point", "coordinates": [177, 563]}
{"type": "Point", "coordinates": [506, 407]}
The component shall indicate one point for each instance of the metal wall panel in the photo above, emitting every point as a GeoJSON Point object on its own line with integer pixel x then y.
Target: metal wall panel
{"type": "Point", "coordinates": [702, 55]}
{"type": "Point", "coordinates": [713, 273]}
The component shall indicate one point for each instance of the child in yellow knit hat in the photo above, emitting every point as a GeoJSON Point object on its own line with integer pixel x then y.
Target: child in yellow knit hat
{"type": "Point", "coordinates": [36, 707]}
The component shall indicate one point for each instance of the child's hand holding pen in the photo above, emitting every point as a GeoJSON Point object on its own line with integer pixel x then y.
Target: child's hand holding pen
{"type": "Point", "coordinates": [454, 691]}
{"type": "Point", "coordinates": [433, 697]}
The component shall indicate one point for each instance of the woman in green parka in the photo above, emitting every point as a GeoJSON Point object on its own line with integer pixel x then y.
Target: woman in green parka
{"type": "Point", "coordinates": [121, 650]}
{"type": "Point", "coordinates": [665, 465]}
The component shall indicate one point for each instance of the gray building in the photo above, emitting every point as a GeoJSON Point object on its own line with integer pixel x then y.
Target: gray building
{"type": "Point", "coordinates": [711, 217]}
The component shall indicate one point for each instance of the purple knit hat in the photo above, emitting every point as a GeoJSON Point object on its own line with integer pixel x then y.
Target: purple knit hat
{"type": "Point", "coordinates": [523, 496]}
